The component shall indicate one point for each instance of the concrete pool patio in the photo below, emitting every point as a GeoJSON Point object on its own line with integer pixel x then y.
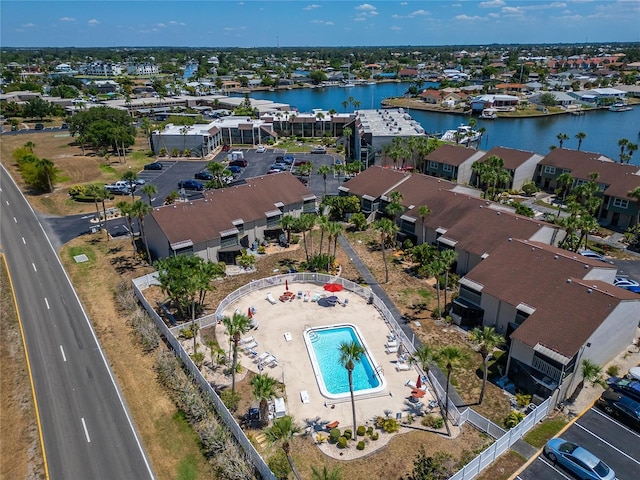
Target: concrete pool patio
{"type": "Point", "coordinates": [280, 328]}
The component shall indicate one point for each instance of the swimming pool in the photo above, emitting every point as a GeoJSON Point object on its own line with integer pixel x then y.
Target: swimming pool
{"type": "Point", "coordinates": [333, 381]}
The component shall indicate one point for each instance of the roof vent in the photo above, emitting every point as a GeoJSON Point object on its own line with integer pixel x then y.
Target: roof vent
{"type": "Point", "coordinates": [568, 280]}
{"type": "Point", "coordinates": [555, 257]}
{"type": "Point", "coordinates": [586, 266]}
{"type": "Point", "coordinates": [589, 290]}
{"type": "Point", "coordinates": [498, 213]}
{"type": "Point", "coordinates": [510, 239]}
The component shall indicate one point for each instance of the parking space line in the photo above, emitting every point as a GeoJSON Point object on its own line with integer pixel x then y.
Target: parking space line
{"type": "Point", "coordinates": [613, 420]}
{"type": "Point", "coordinates": [553, 467]}
{"type": "Point", "coordinates": [607, 443]}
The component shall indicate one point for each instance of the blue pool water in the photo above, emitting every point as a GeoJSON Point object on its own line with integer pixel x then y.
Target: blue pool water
{"type": "Point", "coordinates": [324, 345]}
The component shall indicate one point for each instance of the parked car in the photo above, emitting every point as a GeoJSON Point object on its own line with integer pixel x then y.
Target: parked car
{"type": "Point", "coordinates": [594, 255]}
{"type": "Point", "coordinates": [226, 148]}
{"type": "Point", "coordinates": [191, 185]}
{"type": "Point", "coordinates": [153, 166]}
{"type": "Point", "coordinates": [627, 283]}
{"type": "Point", "coordinates": [578, 460]}
{"type": "Point", "coordinates": [64, 126]}
{"type": "Point", "coordinates": [117, 189]}
{"type": "Point", "coordinates": [319, 149]}
{"type": "Point", "coordinates": [288, 159]}
{"type": "Point", "coordinates": [238, 163]}
{"type": "Point", "coordinates": [279, 166]}
{"type": "Point", "coordinates": [624, 408]}
{"type": "Point", "coordinates": [39, 126]}
{"type": "Point", "coordinates": [297, 163]}
{"type": "Point", "coordinates": [234, 169]}
{"type": "Point", "coordinates": [626, 386]}
{"type": "Point", "coordinates": [203, 176]}
{"type": "Point", "coordinates": [261, 149]}
{"type": "Point", "coordinates": [140, 181]}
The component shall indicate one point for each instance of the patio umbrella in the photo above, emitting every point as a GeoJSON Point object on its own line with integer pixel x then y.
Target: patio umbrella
{"type": "Point", "coordinates": [417, 393]}
{"type": "Point", "coordinates": [419, 382]}
{"type": "Point", "coordinates": [250, 314]}
{"type": "Point", "coordinates": [286, 285]}
{"type": "Point", "coordinates": [333, 287]}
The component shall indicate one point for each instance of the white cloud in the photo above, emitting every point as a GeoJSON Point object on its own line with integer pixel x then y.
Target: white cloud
{"type": "Point", "coordinates": [28, 25]}
{"type": "Point", "coordinates": [173, 22]}
{"type": "Point", "coordinates": [161, 25]}
{"type": "Point", "coordinates": [365, 7]}
{"type": "Point", "coordinates": [467, 18]}
{"type": "Point", "coordinates": [513, 11]}
{"type": "Point", "coordinates": [492, 4]}
{"type": "Point", "coordinates": [419, 13]}
{"type": "Point", "coordinates": [396, 28]}
{"type": "Point", "coordinates": [322, 22]}
{"type": "Point", "coordinates": [311, 7]}
{"type": "Point", "coordinates": [359, 19]}
{"type": "Point", "coordinates": [67, 19]}
{"type": "Point", "coordinates": [93, 21]}
{"type": "Point", "coordinates": [404, 3]}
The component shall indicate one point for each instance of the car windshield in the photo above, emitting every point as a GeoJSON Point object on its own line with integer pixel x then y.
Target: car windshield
{"type": "Point", "coordinates": [567, 447]}
{"type": "Point", "coordinates": [601, 469]}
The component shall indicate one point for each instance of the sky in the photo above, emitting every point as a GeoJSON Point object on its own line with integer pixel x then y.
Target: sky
{"type": "Point", "coordinates": [292, 23]}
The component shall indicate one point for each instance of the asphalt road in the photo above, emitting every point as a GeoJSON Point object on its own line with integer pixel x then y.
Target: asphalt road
{"type": "Point", "coordinates": [87, 431]}
{"type": "Point", "coordinates": [614, 443]}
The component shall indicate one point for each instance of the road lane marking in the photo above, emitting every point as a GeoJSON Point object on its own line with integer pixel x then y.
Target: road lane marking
{"type": "Point", "coordinates": [86, 432]}
{"type": "Point", "coordinates": [24, 241]}
{"type": "Point", "coordinates": [607, 443]}
{"type": "Point", "coordinates": [34, 267]}
{"type": "Point", "coordinates": [7, 202]}
{"type": "Point", "coordinates": [47, 302]}
{"type": "Point", "coordinates": [15, 219]}
{"type": "Point", "coordinates": [64, 357]}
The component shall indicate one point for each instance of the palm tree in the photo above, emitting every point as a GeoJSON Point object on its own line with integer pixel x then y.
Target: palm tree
{"type": "Point", "coordinates": [48, 169]}
{"type": "Point", "coordinates": [264, 389]}
{"type": "Point", "coordinates": [580, 136]}
{"type": "Point", "coordinates": [335, 230]}
{"type": "Point", "coordinates": [125, 209]}
{"type": "Point", "coordinates": [236, 326]}
{"type": "Point", "coordinates": [635, 193]}
{"type": "Point", "coordinates": [93, 191]}
{"type": "Point", "coordinates": [287, 223]}
{"type": "Point", "coordinates": [325, 474]}
{"type": "Point", "coordinates": [564, 182]}
{"type": "Point", "coordinates": [423, 211]}
{"type": "Point", "coordinates": [448, 258]}
{"type": "Point", "coordinates": [387, 230]}
{"type": "Point", "coordinates": [561, 138]}
{"type": "Point", "coordinates": [423, 357]}
{"type": "Point", "coordinates": [283, 430]}
{"type": "Point", "coordinates": [486, 339]}
{"type": "Point", "coordinates": [149, 190]}
{"type": "Point", "coordinates": [139, 209]}
{"type": "Point", "coordinates": [347, 132]}
{"type": "Point", "coordinates": [622, 143]}
{"type": "Point", "coordinates": [451, 355]}
{"type": "Point", "coordinates": [323, 223]}
{"type": "Point", "coordinates": [305, 223]}
{"type": "Point", "coordinates": [350, 354]}
{"type": "Point", "coordinates": [325, 170]}
{"type": "Point", "coordinates": [435, 268]}
{"type": "Point", "coordinates": [591, 372]}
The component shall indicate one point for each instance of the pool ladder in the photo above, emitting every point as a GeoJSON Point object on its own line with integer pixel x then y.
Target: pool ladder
{"type": "Point", "coordinates": [379, 370]}
{"type": "Point", "coordinates": [313, 337]}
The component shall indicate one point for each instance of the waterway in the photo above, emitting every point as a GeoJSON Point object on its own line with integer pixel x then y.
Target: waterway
{"type": "Point", "coordinates": [603, 128]}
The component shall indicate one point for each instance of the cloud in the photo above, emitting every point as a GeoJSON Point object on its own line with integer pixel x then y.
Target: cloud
{"type": "Point", "coordinates": [93, 21]}
{"type": "Point", "coordinates": [67, 19]}
{"type": "Point", "coordinates": [161, 25]}
{"type": "Point", "coordinates": [322, 22]}
{"type": "Point", "coordinates": [173, 22]}
{"type": "Point", "coordinates": [313, 6]}
{"type": "Point", "coordinates": [359, 19]}
{"type": "Point", "coordinates": [365, 7]}
{"type": "Point", "coordinates": [492, 4]}
{"type": "Point", "coordinates": [419, 13]}
{"type": "Point", "coordinates": [28, 25]}
{"type": "Point", "coordinates": [404, 3]}
{"type": "Point", "coordinates": [396, 28]}
{"type": "Point", "coordinates": [467, 18]}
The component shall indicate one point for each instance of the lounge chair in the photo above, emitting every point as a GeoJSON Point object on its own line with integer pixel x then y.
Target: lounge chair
{"type": "Point", "coordinates": [333, 425]}
{"type": "Point", "coordinates": [346, 302]}
{"type": "Point", "coordinates": [390, 344]}
{"type": "Point", "coordinates": [306, 297]}
{"type": "Point", "coordinates": [270, 299]}
{"type": "Point", "coordinates": [249, 346]}
{"type": "Point", "coordinates": [412, 385]}
{"type": "Point", "coordinates": [267, 361]}
{"type": "Point", "coordinates": [402, 367]}
{"type": "Point", "coordinates": [261, 357]}
{"type": "Point", "coordinates": [392, 349]}
{"type": "Point", "coordinates": [300, 295]}
{"type": "Point", "coordinates": [304, 396]}
{"type": "Point", "coordinates": [287, 336]}
{"type": "Point", "coordinates": [246, 340]}
{"type": "Point", "coordinates": [316, 297]}
{"type": "Point", "coordinates": [252, 352]}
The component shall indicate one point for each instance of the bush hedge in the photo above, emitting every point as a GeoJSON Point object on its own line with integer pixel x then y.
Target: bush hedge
{"type": "Point", "coordinates": [360, 445]}
{"type": "Point", "coordinates": [361, 431]}
{"type": "Point", "coordinates": [342, 442]}
{"type": "Point", "coordinates": [334, 435]}
{"type": "Point", "coordinates": [348, 434]}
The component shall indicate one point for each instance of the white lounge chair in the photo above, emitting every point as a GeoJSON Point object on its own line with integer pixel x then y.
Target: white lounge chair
{"type": "Point", "coordinates": [402, 366]}
{"type": "Point", "coordinates": [270, 299]}
{"type": "Point", "coordinates": [249, 346]}
{"type": "Point", "coordinates": [412, 384]}
{"type": "Point", "coordinates": [304, 396]}
{"type": "Point", "coordinates": [390, 344]}
{"type": "Point", "coordinates": [246, 340]}
{"type": "Point", "coordinates": [346, 302]}
{"type": "Point", "coordinates": [267, 361]}
{"type": "Point", "coordinates": [261, 357]}
{"type": "Point", "coordinates": [252, 352]}
{"type": "Point", "coordinates": [391, 349]}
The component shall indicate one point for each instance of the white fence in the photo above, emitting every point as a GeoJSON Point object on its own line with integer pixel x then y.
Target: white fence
{"type": "Point", "coordinates": [502, 443]}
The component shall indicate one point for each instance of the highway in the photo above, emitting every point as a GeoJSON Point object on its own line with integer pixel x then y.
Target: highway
{"type": "Point", "coordinates": [85, 426]}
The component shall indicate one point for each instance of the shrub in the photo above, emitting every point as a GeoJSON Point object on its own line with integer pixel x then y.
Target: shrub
{"type": "Point", "coordinates": [390, 425]}
{"type": "Point", "coordinates": [334, 435]}
{"type": "Point", "coordinates": [369, 430]}
{"type": "Point", "coordinates": [522, 399]}
{"type": "Point", "coordinates": [513, 419]}
{"type": "Point", "coordinates": [230, 399]}
{"type": "Point", "coordinates": [342, 442]}
{"type": "Point", "coordinates": [348, 434]}
{"type": "Point", "coordinates": [76, 190]}
{"type": "Point", "coordinates": [374, 436]}
{"type": "Point", "coordinates": [262, 249]}
{"type": "Point", "coordinates": [361, 431]}
{"type": "Point", "coordinates": [360, 445]}
{"type": "Point", "coordinates": [433, 421]}
{"type": "Point", "coordinates": [613, 371]}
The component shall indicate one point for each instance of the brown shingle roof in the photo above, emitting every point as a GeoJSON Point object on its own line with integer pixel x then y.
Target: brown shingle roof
{"type": "Point", "coordinates": [375, 181]}
{"type": "Point", "coordinates": [511, 157]}
{"type": "Point", "coordinates": [451, 155]}
{"type": "Point", "coordinates": [203, 220]}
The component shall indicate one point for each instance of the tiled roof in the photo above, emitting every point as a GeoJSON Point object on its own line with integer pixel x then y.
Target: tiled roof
{"type": "Point", "coordinates": [203, 220]}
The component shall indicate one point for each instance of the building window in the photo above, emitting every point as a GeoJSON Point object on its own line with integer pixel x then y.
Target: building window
{"type": "Point", "coordinates": [447, 168]}
{"type": "Point", "coordinates": [549, 169]}
{"type": "Point", "coordinates": [470, 295]}
{"type": "Point", "coordinates": [620, 203]}
{"type": "Point", "coordinates": [274, 221]}
{"type": "Point", "coordinates": [433, 165]}
{"type": "Point", "coordinates": [229, 241]}
{"type": "Point", "coordinates": [407, 227]}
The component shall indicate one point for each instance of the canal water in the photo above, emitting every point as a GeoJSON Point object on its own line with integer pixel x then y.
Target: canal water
{"type": "Point", "coordinates": [603, 128]}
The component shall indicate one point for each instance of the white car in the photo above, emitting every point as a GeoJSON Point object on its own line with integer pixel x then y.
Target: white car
{"type": "Point", "coordinates": [625, 282]}
{"type": "Point", "coordinates": [261, 149]}
{"type": "Point", "coordinates": [592, 254]}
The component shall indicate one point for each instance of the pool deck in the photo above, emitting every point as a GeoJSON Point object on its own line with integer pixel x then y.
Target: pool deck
{"type": "Point", "coordinates": [280, 332]}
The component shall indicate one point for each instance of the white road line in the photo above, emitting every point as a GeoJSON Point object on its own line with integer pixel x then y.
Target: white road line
{"type": "Point", "coordinates": [64, 357]}
{"type": "Point", "coordinates": [86, 432]}
{"type": "Point", "coordinates": [24, 241]}
{"type": "Point", "coordinates": [15, 219]}
{"type": "Point", "coordinates": [34, 267]}
{"type": "Point", "coordinates": [47, 302]}
{"type": "Point", "coordinates": [550, 465]}
{"type": "Point", "coordinates": [613, 420]}
{"type": "Point", "coordinates": [7, 202]}
{"type": "Point", "coordinates": [607, 443]}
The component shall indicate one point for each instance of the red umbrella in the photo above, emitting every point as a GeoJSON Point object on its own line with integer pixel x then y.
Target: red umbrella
{"type": "Point", "coordinates": [417, 393]}
{"type": "Point", "coordinates": [286, 285]}
{"type": "Point", "coordinates": [250, 314]}
{"type": "Point", "coordinates": [333, 287]}
{"type": "Point", "coordinates": [418, 383]}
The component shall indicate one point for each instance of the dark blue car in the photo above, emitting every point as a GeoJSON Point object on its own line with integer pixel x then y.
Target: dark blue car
{"type": "Point", "coordinates": [234, 169]}
{"type": "Point", "coordinates": [191, 185]}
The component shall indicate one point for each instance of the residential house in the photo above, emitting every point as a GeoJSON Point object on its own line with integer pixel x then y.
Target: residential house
{"type": "Point", "coordinates": [228, 220]}
{"type": "Point", "coordinates": [452, 162]}
{"type": "Point", "coordinates": [522, 289]}
{"type": "Point", "coordinates": [520, 164]}
{"type": "Point", "coordinates": [431, 96]}
{"type": "Point", "coordinates": [615, 181]}
{"type": "Point", "coordinates": [500, 102]}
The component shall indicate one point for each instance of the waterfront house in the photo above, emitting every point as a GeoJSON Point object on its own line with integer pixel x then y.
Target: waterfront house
{"type": "Point", "coordinates": [521, 289]}
{"type": "Point", "coordinates": [615, 181]}
{"type": "Point", "coordinates": [229, 219]}
{"type": "Point", "coordinates": [452, 162]}
{"type": "Point", "coordinates": [499, 102]}
{"type": "Point", "coordinates": [520, 164]}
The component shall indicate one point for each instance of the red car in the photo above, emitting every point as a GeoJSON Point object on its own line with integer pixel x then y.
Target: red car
{"type": "Point", "coordinates": [226, 148]}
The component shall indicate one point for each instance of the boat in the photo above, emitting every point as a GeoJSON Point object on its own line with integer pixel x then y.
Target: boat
{"type": "Point", "coordinates": [620, 107]}
{"type": "Point", "coordinates": [489, 114]}
{"type": "Point", "coordinates": [371, 83]}
{"type": "Point", "coordinates": [463, 134]}
{"type": "Point", "coordinates": [347, 85]}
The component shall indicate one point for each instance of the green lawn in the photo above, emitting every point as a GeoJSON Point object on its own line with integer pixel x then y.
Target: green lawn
{"type": "Point", "coordinates": [546, 430]}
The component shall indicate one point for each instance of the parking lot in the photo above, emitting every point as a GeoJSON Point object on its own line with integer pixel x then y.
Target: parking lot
{"type": "Point", "coordinates": [614, 443]}
{"type": "Point", "coordinates": [174, 170]}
